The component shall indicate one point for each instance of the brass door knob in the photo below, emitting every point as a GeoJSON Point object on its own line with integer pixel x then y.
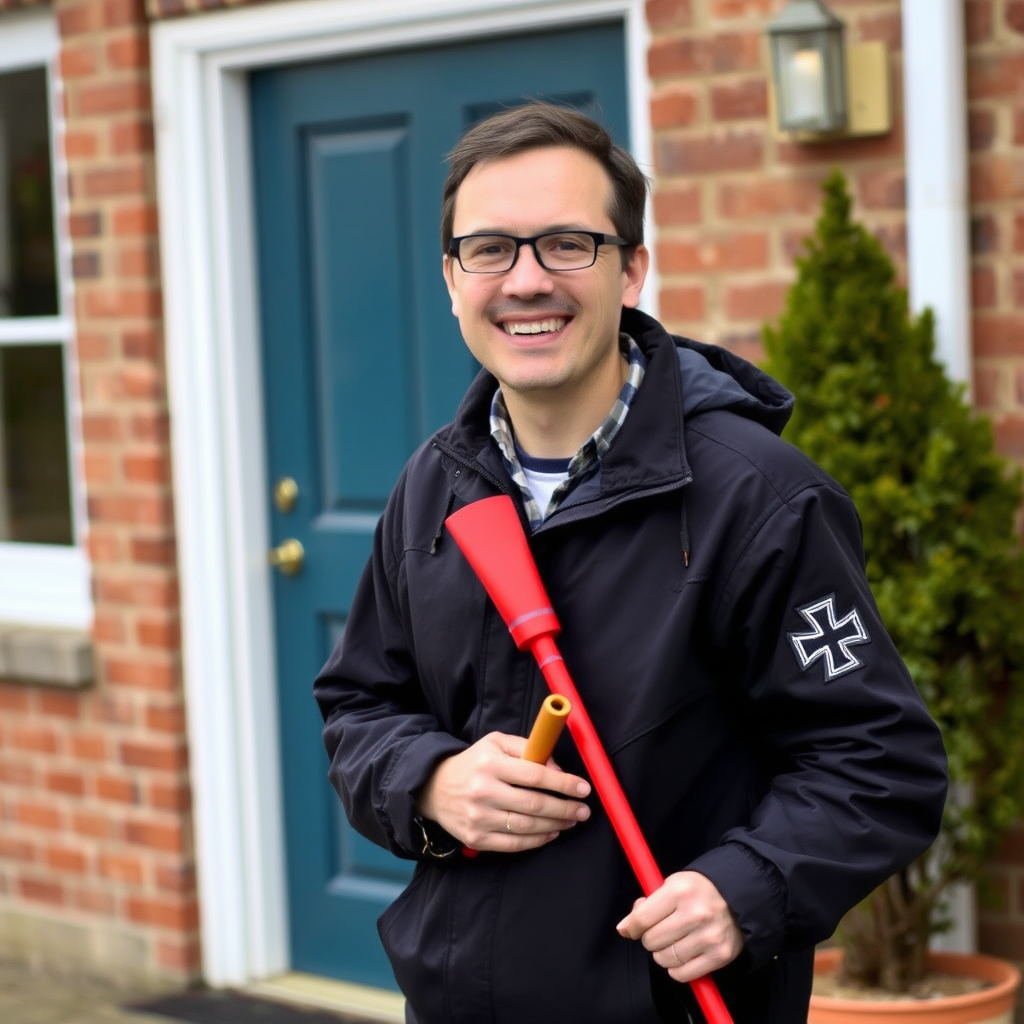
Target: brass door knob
{"type": "Point", "coordinates": [286, 494]}
{"type": "Point", "coordinates": [288, 556]}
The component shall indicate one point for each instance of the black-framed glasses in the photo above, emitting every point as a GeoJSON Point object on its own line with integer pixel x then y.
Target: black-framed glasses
{"type": "Point", "coordinates": [489, 253]}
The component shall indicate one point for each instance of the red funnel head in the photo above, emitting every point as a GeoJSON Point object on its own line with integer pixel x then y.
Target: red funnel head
{"type": "Point", "coordinates": [491, 537]}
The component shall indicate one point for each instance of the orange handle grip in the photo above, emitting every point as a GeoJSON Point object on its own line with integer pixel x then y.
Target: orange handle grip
{"type": "Point", "coordinates": [547, 727]}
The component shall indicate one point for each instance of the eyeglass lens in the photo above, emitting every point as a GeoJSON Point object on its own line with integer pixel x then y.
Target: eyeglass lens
{"type": "Point", "coordinates": [561, 250]}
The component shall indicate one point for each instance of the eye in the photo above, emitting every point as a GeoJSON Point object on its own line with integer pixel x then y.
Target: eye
{"type": "Point", "coordinates": [567, 244]}
{"type": "Point", "coordinates": [566, 250]}
{"type": "Point", "coordinates": [487, 247]}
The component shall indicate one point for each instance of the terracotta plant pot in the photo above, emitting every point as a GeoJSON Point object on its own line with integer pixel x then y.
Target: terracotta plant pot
{"type": "Point", "coordinates": [993, 1005]}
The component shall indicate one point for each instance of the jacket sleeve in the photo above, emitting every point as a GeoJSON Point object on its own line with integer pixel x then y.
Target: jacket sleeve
{"type": "Point", "coordinates": [382, 740]}
{"type": "Point", "coordinates": [857, 773]}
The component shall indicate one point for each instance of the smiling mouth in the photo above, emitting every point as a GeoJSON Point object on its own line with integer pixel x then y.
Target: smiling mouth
{"type": "Point", "coordinates": [534, 326]}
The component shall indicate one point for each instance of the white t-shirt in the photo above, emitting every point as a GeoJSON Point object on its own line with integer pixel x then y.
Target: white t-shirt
{"type": "Point", "coordinates": [542, 476]}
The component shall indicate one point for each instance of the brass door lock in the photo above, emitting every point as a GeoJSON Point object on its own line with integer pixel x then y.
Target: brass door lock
{"type": "Point", "coordinates": [288, 556]}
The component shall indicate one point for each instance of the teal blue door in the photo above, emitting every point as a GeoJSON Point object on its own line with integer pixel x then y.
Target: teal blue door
{"type": "Point", "coordinates": [361, 360]}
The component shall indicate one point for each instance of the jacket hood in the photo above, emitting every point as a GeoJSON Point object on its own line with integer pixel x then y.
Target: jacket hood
{"type": "Point", "coordinates": [650, 451]}
{"type": "Point", "coordinates": [715, 378]}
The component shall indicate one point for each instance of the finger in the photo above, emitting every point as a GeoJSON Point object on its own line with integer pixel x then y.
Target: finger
{"type": "Point", "coordinates": [518, 747]}
{"type": "Point", "coordinates": [542, 804]}
{"type": "Point", "coordinates": [691, 936]}
{"type": "Point", "coordinates": [529, 775]}
{"type": "Point", "coordinates": [519, 833]}
{"type": "Point", "coordinates": [646, 914]}
{"type": "Point", "coordinates": [717, 939]}
{"type": "Point", "coordinates": [519, 824]}
{"type": "Point", "coordinates": [699, 967]}
{"type": "Point", "coordinates": [629, 927]}
{"type": "Point", "coordinates": [511, 811]}
{"type": "Point", "coordinates": [668, 957]}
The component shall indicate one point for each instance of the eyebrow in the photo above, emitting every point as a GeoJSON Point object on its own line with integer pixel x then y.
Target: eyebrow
{"type": "Point", "coordinates": [543, 231]}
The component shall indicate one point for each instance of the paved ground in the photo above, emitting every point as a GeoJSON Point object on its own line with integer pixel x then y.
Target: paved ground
{"type": "Point", "coordinates": [33, 997]}
{"type": "Point", "coordinates": [30, 997]}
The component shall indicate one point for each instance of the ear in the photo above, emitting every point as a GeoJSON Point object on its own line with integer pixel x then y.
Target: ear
{"type": "Point", "coordinates": [448, 270]}
{"type": "Point", "coordinates": [634, 273]}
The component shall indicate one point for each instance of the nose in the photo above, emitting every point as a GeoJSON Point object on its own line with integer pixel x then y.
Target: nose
{"type": "Point", "coordinates": [527, 276]}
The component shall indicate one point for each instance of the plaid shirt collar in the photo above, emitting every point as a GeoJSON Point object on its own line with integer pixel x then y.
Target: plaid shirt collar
{"type": "Point", "coordinates": [592, 450]}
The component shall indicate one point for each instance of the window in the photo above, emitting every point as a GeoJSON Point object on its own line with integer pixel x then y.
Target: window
{"type": "Point", "coordinates": [43, 572]}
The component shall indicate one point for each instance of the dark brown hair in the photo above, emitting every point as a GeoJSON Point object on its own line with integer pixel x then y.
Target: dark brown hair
{"type": "Point", "coordinates": [535, 126]}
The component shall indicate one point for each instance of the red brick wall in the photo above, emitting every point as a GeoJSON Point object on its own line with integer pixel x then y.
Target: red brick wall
{"type": "Point", "coordinates": [996, 89]}
{"type": "Point", "coordinates": [95, 806]}
{"type": "Point", "coordinates": [1001, 910]}
{"type": "Point", "coordinates": [733, 202]}
{"type": "Point", "coordinates": [995, 77]}
{"type": "Point", "coordinates": [95, 802]}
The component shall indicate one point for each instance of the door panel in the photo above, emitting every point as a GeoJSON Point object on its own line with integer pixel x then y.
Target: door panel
{"type": "Point", "coordinates": [347, 164]}
{"type": "Point", "coordinates": [361, 360]}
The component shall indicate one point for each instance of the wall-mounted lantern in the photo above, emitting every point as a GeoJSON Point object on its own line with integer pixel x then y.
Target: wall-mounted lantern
{"type": "Point", "coordinates": [821, 87]}
{"type": "Point", "coordinates": [808, 68]}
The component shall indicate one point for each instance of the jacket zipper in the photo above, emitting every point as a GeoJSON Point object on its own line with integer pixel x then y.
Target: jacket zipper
{"type": "Point", "coordinates": [565, 516]}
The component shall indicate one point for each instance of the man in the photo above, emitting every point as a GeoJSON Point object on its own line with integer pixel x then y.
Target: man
{"type": "Point", "coordinates": [715, 617]}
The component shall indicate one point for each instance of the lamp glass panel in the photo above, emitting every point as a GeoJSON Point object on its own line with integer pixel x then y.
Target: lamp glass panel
{"type": "Point", "coordinates": [806, 82]}
{"type": "Point", "coordinates": [803, 83]}
{"type": "Point", "coordinates": [836, 64]}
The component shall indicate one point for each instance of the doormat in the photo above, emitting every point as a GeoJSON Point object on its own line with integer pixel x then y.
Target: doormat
{"type": "Point", "coordinates": [217, 1006]}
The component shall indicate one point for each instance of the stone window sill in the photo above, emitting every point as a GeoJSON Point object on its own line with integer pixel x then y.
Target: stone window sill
{"type": "Point", "coordinates": [42, 656]}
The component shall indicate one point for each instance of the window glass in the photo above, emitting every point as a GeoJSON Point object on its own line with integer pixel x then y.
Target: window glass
{"type": "Point", "coordinates": [44, 571]}
{"type": "Point", "coordinates": [35, 492]}
{"type": "Point", "coordinates": [28, 271]}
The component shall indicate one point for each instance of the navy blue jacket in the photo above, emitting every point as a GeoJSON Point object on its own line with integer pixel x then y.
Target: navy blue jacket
{"type": "Point", "coordinates": [758, 717]}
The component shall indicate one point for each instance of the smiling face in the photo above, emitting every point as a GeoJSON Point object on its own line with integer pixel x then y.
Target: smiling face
{"type": "Point", "coordinates": [548, 336]}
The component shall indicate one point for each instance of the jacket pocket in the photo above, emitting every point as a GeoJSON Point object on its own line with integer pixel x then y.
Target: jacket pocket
{"type": "Point", "coordinates": [412, 933]}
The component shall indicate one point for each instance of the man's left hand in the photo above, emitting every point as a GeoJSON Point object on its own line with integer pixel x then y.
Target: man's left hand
{"type": "Point", "coordinates": [686, 925]}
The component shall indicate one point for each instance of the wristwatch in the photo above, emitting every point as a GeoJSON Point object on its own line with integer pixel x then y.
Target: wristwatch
{"type": "Point", "coordinates": [436, 841]}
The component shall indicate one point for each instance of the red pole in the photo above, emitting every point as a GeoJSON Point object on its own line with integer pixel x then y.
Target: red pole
{"type": "Point", "coordinates": [616, 806]}
{"type": "Point", "coordinates": [490, 535]}
{"type": "Point", "coordinates": [606, 783]}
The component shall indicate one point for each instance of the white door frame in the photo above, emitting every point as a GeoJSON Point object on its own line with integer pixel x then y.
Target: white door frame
{"type": "Point", "coordinates": [213, 352]}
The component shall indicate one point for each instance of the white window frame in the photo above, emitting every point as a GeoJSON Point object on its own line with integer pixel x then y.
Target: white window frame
{"type": "Point", "coordinates": [47, 584]}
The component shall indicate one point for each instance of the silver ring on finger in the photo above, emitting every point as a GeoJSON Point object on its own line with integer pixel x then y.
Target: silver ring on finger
{"type": "Point", "coordinates": [679, 963]}
{"type": "Point", "coordinates": [508, 822]}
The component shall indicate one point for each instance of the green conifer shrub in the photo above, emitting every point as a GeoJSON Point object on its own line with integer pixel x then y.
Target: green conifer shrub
{"type": "Point", "coordinates": [938, 505]}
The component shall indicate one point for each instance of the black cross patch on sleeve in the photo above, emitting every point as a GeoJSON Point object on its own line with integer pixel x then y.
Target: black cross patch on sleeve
{"type": "Point", "coordinates": [829, 639]}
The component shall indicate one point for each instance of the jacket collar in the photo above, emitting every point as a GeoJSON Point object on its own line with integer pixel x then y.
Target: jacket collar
{"type": "Point", "coordinates": [648, 451]}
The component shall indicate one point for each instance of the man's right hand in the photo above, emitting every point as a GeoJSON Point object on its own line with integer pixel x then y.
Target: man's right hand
{"type": "Point", "coordinates": [489, 798]}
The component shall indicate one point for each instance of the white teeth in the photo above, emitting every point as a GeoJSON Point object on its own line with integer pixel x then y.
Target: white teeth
{"type": "Point", "coordinates": [534, 327]}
